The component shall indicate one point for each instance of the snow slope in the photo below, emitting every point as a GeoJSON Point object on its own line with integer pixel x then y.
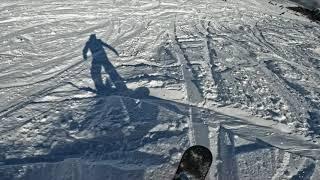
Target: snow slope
{"type": "Point", "coordinates": [240, 77]}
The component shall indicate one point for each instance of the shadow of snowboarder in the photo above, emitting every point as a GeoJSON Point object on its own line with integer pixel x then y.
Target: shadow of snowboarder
{"type": "Point", "coordinates": [99, 60]}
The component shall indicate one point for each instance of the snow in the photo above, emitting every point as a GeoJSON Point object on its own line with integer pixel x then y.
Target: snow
{"type": "Point", "coordinates": [238, 76]}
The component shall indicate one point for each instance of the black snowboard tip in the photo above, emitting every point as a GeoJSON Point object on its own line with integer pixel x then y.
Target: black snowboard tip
{"type": "Point", "coordinates": [195, 163]}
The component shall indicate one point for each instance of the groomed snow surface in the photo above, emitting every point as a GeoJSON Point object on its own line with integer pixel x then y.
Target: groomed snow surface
{"type": "Point", "coordinates": [240, 77]}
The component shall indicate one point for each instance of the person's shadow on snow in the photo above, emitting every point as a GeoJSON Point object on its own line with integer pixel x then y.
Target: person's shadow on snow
{"type": "Point", "coordinates": [100, 60]}
{"type": "Point", "coordinates": [114, 84]}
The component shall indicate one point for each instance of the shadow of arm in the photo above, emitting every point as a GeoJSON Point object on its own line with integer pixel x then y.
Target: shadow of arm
{"type": "Point", "coordinates": [110, 47]}
{"type": "Point", "coordinates": [85, 51]}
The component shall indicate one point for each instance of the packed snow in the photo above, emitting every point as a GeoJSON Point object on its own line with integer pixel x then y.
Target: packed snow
{"type": "Point", "coordinates": [240, 77]}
